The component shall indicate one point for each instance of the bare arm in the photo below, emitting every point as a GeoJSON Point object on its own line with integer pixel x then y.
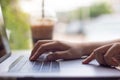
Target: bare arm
{"type": "Point", "coordinates": [88, 47]}
{"type": "Point", "coordinates": [65, 50]}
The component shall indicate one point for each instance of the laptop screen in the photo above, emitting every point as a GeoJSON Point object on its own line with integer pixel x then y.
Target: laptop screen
{"type": "Point", "coordinates": [4, 45]}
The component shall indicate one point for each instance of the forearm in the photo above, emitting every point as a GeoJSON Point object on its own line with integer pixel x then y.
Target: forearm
{"type": "Point", "coordinates": [87, 48]}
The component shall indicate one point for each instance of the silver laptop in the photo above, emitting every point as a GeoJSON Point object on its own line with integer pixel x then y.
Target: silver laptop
{"type": "Point", "coordinates": [19, 64]}
{"type": "Point", "coordinates": [22, 61]}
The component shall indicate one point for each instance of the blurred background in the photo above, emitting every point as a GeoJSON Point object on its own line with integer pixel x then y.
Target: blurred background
{"type": "Point", "coordinates": [76, 20]}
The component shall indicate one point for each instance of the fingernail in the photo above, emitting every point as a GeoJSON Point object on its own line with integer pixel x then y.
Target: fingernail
{"type": "Point", "coordinates": [32, 58]}
{"type": "Point", "coordinates": [84, 62]}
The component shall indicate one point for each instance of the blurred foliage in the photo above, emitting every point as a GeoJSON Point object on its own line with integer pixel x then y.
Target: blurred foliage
{"type": "Point", "coordinates": [83, 12]}
{"type": "Point", "coordinates": [17, 22]}
{"type": "Point", "coordinates": [99, 9]}
{"type": "Point", "coordinates": [94, 11]}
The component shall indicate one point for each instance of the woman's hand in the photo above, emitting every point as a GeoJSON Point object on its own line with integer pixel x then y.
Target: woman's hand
{"type": "Point", "coordinates": [61, 50]}
{"type": "Point", "coordinates": [108, 55]}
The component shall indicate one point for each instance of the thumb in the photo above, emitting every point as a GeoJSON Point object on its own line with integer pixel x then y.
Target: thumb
{"type": "Point", "coordinates": [89, 58]}
{"type": "Point", "coordinates": [58, 55]}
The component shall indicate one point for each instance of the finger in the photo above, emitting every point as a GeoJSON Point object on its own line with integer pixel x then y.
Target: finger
{"type": "Point", "coordinates": [42, 49]}
{"type": "Point", "coordinates": [117, 57]}
{"type": "Point", "coordinates": [38, 44]}
{"type": "Point", "coordinates": [48, 47]}
{"type": "Point", "coordinates": [59, 55]}
{"type": "Point", "coordinates": [89, 58]}
{"type": "Point", "coordinates": [116, 61]}
{"type": "Point", "coordinates": [113, 51]}
{"type": "Point", "coordinates": [100, 52]}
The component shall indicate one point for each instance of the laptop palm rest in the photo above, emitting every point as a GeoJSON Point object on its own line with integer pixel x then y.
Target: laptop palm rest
{"type": "Point", "coordinates": [22, 64]}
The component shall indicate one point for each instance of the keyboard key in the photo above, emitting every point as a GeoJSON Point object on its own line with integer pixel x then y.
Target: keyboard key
{"type": "Point", "coordinates": [45, 67]}
{"type": "Point", "coordinates": [55, 67]}
{"type": "Point", "coordinates": [37, 66]}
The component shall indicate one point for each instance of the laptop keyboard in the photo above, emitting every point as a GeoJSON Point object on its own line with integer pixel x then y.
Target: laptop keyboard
{"type": "Point", "coordinates": [22, 64]}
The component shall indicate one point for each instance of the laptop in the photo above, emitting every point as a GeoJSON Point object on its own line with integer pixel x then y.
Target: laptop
{"type": "Point", "coordinates": [17, 64]}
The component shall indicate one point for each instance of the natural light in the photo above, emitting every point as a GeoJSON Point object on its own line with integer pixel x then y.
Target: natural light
{"type": "Point", "coordinates": [31, 6]}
